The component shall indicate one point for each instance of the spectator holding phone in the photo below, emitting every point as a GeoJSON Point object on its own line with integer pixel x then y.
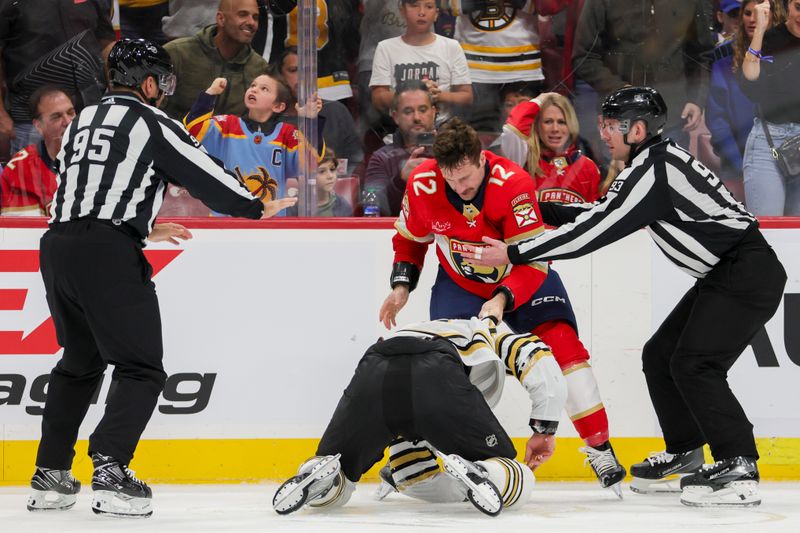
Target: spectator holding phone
{"type": "Point", "coordinates": [389, 167]}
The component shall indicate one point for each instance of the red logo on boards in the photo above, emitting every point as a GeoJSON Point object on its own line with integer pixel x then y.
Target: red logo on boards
{"type": "Point", "coordinates": [42, 340]}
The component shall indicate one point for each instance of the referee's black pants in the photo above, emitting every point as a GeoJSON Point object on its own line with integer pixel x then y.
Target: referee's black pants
{"type": "Point", "coordinates": [416, 389]}
{"type": "Point", "coordinates": [686, 362]}
{"type": "Point", "coordinates": [105, 311]}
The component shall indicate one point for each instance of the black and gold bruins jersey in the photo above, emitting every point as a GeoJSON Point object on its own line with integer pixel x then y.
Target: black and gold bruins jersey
{"type": "Point", "coordinates": [501, 41]}
{"type": "Point", "coordinates": [337, 24]}
{"type": "Point", "coordinates": [492, 351]}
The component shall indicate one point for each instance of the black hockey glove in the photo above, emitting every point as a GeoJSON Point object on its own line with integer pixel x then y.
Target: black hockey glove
{"type": "Point", "coordinates": [405, 273]}
{"type": "Point", "coordinates": [544, 427]}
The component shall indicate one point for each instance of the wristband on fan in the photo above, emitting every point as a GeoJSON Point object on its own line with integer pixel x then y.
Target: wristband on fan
{"type": "Point", "coordinates": [404, 273]}
{"type": "Point", "coordinates": [757, 53]}
{"type": "Point", "coordinates": [544, 427]}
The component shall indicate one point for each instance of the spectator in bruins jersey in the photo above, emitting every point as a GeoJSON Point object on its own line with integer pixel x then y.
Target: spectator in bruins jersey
{"type": "Point", "coordinates": [501, 42]}
{"type": "Point", "coordinates": [29, 182]}
{"type": "Point", "coordinates": [540, 135]}
{"type": "Point", "coordinates": [219, 50]}
{"type": "Point", "coordinates": [260, 147]}
{"type": "Point", "coordinates": [141, 19]}
{"type": "Point", "coordinates": [420, 54]}
{"type": "Point", "coordinates": [340, 128]}
{"type": "Point", "coordinates": [336, 43]}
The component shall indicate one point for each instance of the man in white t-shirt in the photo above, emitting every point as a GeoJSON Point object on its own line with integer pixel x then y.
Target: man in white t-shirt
{"type": "Point", "coordinates": [420, 54]}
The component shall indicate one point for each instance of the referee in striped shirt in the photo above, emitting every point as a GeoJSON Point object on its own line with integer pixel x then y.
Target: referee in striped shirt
{"type": "Point", "coordinates": [705, 232]}
{"type": "Point", "coordinates": [116, 160]}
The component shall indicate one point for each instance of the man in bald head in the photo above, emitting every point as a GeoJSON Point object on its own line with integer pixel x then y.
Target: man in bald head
{"type": "Point", "coordinates": [219, 50]}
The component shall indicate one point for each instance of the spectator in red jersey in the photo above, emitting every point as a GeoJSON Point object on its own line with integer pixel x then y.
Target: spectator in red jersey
{"type": "Point", "coordinates": [540, 135]}
{"type": "Point", "coordinates": [28, 182]}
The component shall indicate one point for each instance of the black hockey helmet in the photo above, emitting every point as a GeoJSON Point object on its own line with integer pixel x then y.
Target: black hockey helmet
{"type": "Point", "coordinates": [132, 61]}
{"type": "Point", "coordinates": [630, 104]}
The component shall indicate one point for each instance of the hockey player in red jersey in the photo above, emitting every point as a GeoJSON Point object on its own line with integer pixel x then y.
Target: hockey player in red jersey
{"type": "Point", "coordinates": [455, 199]}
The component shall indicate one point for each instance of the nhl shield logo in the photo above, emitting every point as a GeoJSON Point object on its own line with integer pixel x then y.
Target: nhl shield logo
{"type": "Point", "coordinates": [491, 441]}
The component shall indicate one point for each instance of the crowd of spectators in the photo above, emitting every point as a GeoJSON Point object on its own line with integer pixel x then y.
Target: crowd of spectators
{"type": "Point", "coordinates": [390, 72]}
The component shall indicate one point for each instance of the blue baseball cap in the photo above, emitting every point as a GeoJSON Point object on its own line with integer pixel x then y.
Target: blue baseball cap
{"type": "Point", "coordinates": [726, 6]}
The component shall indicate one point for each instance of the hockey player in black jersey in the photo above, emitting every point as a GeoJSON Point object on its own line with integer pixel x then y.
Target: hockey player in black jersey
{"type": "Point", "coordinates": [701, 228]}
{"type": "Point", "coordinates": [432, 384]}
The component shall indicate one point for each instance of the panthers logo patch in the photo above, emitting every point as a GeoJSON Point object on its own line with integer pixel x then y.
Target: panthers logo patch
{"type": "Point", "coordinates": [482, 274]}
{"type": "Point", "coordinates": [525, 215]}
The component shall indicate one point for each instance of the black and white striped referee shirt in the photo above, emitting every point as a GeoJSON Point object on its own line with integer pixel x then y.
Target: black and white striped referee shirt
{"type": "Point", "coordinates": [117, 157]}
{"type": "Point", "coordinates": [690, 215]}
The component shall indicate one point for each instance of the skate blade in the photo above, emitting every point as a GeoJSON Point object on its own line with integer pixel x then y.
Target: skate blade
{"type": "Point", "coordinates": [112, 504]}
{"type": "Point", "coordinates": [291, 495]}
{"type": "Point", "coordinates": [383, 490]}
{"type": "Point", "coordinates": [669, 485]}
{"type": "Point", "coordinates": [483, 495]}
{"type": "Point", "coordinates": [736, 494]}
{"type": "Point", "coordinates": [50, 500]}
{"type": "Point", "coordinates": [616, 488]}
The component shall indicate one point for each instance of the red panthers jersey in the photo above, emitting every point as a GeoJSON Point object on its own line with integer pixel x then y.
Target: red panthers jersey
{"type": "Point", "coordinates": [565, 178]}
{"type": "Point", "coordinates": [28, 184]}
{"type": "Point", "coordinates": [505, 208]}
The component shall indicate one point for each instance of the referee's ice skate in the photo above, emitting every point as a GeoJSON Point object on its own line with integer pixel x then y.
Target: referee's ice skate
{"type": "Point", "coordinates": [117, 492]}
{"type": "Point", "coordinates": [53, 490]}
{"type": "Point", "coordinates": [606, 466]}
{"type": "Point", "coordinates": [729, 482]}
{"type": "Point", "coordinates": [482, 493]}
{"type": "Point", "coordinates": [314, 481]}
{"type": "Point", "coordinates": [661, 471]}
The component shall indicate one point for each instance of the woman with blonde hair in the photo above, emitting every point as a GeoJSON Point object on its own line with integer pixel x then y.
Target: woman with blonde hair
{"type": "Point", "coordinates": [541, 136]}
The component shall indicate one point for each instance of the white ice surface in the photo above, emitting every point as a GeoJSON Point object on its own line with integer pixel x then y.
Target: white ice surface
{"type": "Point", "coordinates": [555, 507]}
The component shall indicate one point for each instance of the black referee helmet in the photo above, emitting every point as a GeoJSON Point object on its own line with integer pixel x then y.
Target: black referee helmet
{"type": "Point", "coordinates": [132, 61]}
{"type": "Point", "coordinates": [630, 104]}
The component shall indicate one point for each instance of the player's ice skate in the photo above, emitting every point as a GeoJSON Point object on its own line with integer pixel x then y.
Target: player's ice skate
{"type": "Point", "coordinates": [730, 482]}
{"type": "Point", "coordinates": [606, 467]}
{"type": "Point", "coordinates": [314, 480]}
{"type": "Point", "coordinates": [661, 471]}
{"type": "Point", "coordinates": [53, 490]}
{"type": "Point", "coordinates": [117, 492]}
{"type": "Point", "coordinates": [387, 485]}
{"type": "Point", "coordinates": [480, 490]}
